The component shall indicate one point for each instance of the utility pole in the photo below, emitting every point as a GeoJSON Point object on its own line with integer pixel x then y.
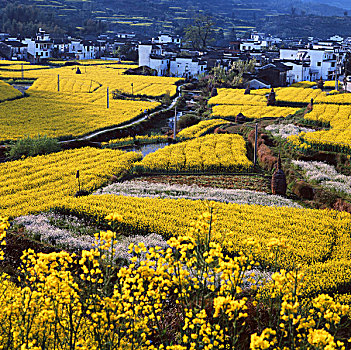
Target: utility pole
{"type": "Point", "coordinates": [255, 149]}
{"type": "Point", "coordinates": [108, 97]}
{"type": "Point", "coordinates": [336, 81]}
{"type": "Point", "coordinates": [22, 72]}
{"type": "Point", "coordinates": [175, 124]}
{"type": "Point", "coordinates": [302, 71]}
{"type": "Point", "coordinates": [338, 67]}
{"type": "Point", "coordinates": [132, 87]}
{"type": "Point", "coordinates": [58, 82]}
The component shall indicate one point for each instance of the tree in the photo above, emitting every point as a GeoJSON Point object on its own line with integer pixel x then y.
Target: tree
{"type": "Point", "coordinates": [348, 64]}
{"type": "Point", "coordinates": [233, 76]}
{"type": "Point", "coordinates": [219, 38]}
{"type": "Point", "coordinates": [199, 34]}
{"type": "Point", "coordinates": [126, 52]}
{"type": "Point", "coordinates": [233, 34]}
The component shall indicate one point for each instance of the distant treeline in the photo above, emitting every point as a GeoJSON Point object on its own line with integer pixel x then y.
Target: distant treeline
{"type": "Point", "coordinates": [286, 18]}
{"type": "Point", "coordinates": [25, 19]}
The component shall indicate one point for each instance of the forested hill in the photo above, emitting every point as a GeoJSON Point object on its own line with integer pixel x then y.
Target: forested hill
{"type": "Point", "coordinates": [338, 3]}
{"type": "Point", "coordinates": [152, 16]}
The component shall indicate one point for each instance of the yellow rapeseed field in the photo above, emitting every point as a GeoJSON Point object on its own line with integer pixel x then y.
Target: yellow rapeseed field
{"type": "Point", "coordinates": [62, 103]}
{"type": "Point", "coordinates": [236, 223]}
{"type": "Point", "coordinates": [318, 240]}
{"type": "Point", "coordinates": [104, 76]}
{"type": "Point", "coordinates": [64, 114]}
{"type": "Point", "coordinates": [39, 183]}
{"type": "Point", "coordinates": [237, 97]}
{"type": "Point", "coordinates": [87, 302]}
{"type": "Point", "coordinates": [201, 128]}
{"type": "Point", "coordinates": [249, 111]}
{"type": "Point", "coordinates": [7, 92]}
{"type": "Point", "coordinates": [211, 153]}
{"type": "Point", "coordinates": [338, 137]}
{"type": "Point", "coordinates": [284, 95]}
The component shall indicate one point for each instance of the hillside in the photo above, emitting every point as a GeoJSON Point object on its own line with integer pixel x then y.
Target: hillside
{"type": "Point", "coordinates": [150, 16]}
{"type": "Point", "coordinates": [339, 3]}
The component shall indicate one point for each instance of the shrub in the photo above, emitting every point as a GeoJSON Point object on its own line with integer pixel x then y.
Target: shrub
{"type": "Point", "coordinates": [29, 147]}
{"type": "Point", "coordinates": [187, 120]}
{"type": "Point", "coordinates": [166, 98]}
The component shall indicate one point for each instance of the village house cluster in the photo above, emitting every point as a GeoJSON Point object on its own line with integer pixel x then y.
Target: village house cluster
{"type": "Point", "coordinates": [44, 46]}
{"type": "Point", "coordinates": [279, 62]}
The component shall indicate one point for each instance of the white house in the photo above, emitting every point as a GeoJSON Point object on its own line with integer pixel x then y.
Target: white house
{"type": "Point", "coordinates": [336, 38]}
{"type": "Point", "coordinates": [153, 56]}
{"type": "Point", "coordinates": [259, 41]}
{"type": "Point", "coordinates": [82, 50]}
{"type": "Point", "coordinates": [256, 36]}
{"type": "Point", "coordinates": [187, 67]}
{"type": "Point", "coordinates": [39, 48]}
{"type": "Point", "coordinates": [18, 50]}
{"type": "Point", "coordinates": [300, 72]}
{"type": "Point", "coordinates": [145, 52]}
{"type": "Point", "coordinates": [4, 36]}
{"type": "Point", "coordinates": [61, 45]}
{"type": "Point", "coordinates": [309, 64]}
{"type": "Point", "coordinates": [159, 63]}
{"type": "Point", "coordinates": [125, 35]}
{"type": "Point", "coordinates": [167, 39]}
{"type": "Point", "coordinates": [250, 44]}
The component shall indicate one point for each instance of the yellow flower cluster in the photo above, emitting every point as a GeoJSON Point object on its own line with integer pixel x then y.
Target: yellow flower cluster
{"type": "Point", "coordinates": [3, 226]}
{"type": "Point", "coordinates": [310, 234]}
{"type": "Point", "coordinates": [304, 84]}
{"type": "Point", "coordinates": [201, 128]}
{"type": "Point", "coordinates": [328, 113]}
{"type": "Point", "coordinates": [126, 141]}
{"type": "Point", "coordinates": [59, 115]}
{"type": "Point", "coordinates": [297, 328]}
{"type": "Point", "coordinates": [249, 111]}
{"type": "Point", "coordinates": [298, 143]}
{"type": "Point", "coordinates": [10, 63]}
{"type": "Point", "coordinates": [331, 277]}
{"type": "Point", "coordinates": [301, 95]}
{"type": "Point", "coordinates": [337, 98]}
{"type": "Point", "coordinates": [7, 92]}
{"type": "Point", "coordinates": [337, 138]}
{"type": "Point", "coordinates": [19, 67]}
{"type": "Point", "coordinates": [331, 84]}
{"type": "Point", "coordinates": [7, 73]}
{"type": "Point", "coordinates": [237, 97]}
{"type": "Point", "coordinates": [294, 94]}
{"type": "Point", "coordinates": [98, 306]}
{"type": "Point", "coordinates": [211, 153]}
{"type": "Point", "coordinates": [39, 183]}
{"type": "Point", "coordinates": [124, 64]}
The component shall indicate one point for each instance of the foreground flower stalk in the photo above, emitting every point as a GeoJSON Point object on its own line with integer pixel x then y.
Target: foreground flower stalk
{"type": "Point", "coordinates": [187, 296]}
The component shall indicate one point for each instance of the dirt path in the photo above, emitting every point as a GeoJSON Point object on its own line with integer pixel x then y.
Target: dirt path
{"type": "Point", "coordinates": [121, 127]}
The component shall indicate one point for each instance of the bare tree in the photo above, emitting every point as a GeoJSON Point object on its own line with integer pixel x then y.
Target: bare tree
{"type": "Point", "coordinates": [199, 34]}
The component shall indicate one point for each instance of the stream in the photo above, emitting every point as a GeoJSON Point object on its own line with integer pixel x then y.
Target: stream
{"type": "Point", "coordinates": [22, 87]}
{"type": "Point", "coordinates": [146, 149]}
